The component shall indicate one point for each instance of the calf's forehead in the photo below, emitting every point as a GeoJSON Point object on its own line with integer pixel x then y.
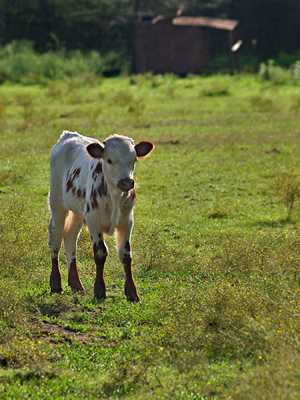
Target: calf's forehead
{"type": "Point", "coordinates": [120, 147]}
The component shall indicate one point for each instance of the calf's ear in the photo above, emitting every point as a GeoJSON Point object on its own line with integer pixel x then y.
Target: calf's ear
{"type": "Point", "coordinates": [95, 149]}
{"type": "Point", "coordinates": [142, 149]}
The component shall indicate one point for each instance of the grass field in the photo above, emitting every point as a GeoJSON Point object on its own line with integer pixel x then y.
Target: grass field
{"type": "Point", "coordinates": [216, 244]}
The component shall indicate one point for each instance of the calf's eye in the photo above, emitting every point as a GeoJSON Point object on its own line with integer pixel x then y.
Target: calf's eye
{"type": "Point", "coordinates": [109, 161]}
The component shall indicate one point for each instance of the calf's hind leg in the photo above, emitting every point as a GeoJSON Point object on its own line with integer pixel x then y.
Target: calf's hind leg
{"type": "Point", "coordinates": [55, 234]}
{"type": "Point", "coordinates": [72, 228]}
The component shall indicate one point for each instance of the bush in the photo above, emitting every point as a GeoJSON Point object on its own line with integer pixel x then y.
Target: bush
{"type": "Point", "coordinates": [286, 60]}
{"type": "Point", "coordinates": [20, 63]}
{"type": "Point", "coordinates": [272, 72]}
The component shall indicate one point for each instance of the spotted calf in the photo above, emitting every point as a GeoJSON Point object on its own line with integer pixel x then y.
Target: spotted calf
{"type": "Point", "coordinates": [92, 183]}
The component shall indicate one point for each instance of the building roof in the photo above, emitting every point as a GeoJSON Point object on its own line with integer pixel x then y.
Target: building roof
{"type": "Point", "coordinates": [216, 23]}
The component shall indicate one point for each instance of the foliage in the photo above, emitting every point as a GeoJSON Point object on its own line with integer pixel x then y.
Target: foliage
{"type": "Point", "coordinates": [271, 71]}
{"type": "Point", "coordinates": [20, 63]}
{"type": "Point", "coordinates": [108, 25]}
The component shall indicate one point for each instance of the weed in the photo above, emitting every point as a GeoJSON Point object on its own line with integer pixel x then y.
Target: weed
{"type": "Point", "coordinates": [288, 190]}
{"type": "Point", "coordinates": [262, 103]}
{"type": "Point", "coordinates": [137, 109]}
{"type": "Point", "coordinates": [215, 89]}
{"type": "Point", "coordinates": [56, 89]}
{"type": "Point", "coordinates": [273, 73]}
{"type": "Point", "coordinates": [2, 111]}
{"type": "Point", "coordinates": [123, 98]}
{"type": "Point", "coordinates": [218, 211]}
{"type": "Point", "coordinates": [295, 106]}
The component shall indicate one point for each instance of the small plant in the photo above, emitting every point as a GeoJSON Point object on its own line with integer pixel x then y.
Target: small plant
{"type": "Point", "coordinates": [262, 103]}
{"type": "Point", "coordinates": [295, 71]}
{"type": "Point", "coordinates": [56, 89]}
{"type": "Point", "coordinates": [171, 91]}
{"type": "Point", "coordinates": [216, 89]}
{"type": "Point", "coordinates": [123, 98]}
{"type": "Point", "coordinates": [136, 109]}
{"type": "Point", "coordinates": [217, 213]}
{"type": "Point", "coordinates": [2, 110]}
{"type": "Point", "coordinates": [26, 102]}
{"type": "Point", "coordinates": [273, 73]}
{"type": "Point", "coordinates": [288, 189]}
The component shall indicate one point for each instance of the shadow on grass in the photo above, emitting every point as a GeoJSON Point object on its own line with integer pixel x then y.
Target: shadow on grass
{"type": "Point", "coordinates": [25, 375]}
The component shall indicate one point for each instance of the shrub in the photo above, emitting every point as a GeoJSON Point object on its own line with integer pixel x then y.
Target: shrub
{"type": "Point", "coordinates": [272, 72]}
{"type": "Point", "coordinates": [215, 89]}
{"type": "Point", "coordinates": [295, 71]}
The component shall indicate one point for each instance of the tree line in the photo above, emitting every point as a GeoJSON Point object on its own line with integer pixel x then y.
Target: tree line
{"type": "Point", "coordinates": [107, 25]}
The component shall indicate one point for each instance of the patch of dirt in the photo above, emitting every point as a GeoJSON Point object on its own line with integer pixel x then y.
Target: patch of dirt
{"type": "Point", "coordinates": [59, 334]}
{"type": "Point", "coordinates": [274, 151]}
{"type": "Point", "coordinates": [53, 310]}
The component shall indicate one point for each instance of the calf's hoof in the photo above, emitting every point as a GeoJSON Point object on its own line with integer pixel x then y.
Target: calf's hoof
{"type": "Point", "coordinates": [76, 285]}
{"type": "Point", "coordinates": [99, 291]}
{"type": "Point", "coordinates": [55, 283]}
{"type": "Point", "coordinates": [131, 293]}
{"type": "Point", "coordinates": [73, 279]}
{"type": "Point", "coordinates": [56, 290]}
{"type": "Point", "coordinates": [77, 288]}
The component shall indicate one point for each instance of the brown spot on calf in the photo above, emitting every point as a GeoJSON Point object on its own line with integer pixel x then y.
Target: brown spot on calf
{"type": "Point", "coordinates": [94, 202]}
{"type": "Point", "coordinates": [97, 170]}
{"type": "Point", "coordinates": [69, 185]}
{"type": "Point", "coordinates": [70, 182]}
{"type": "Point", "coordinates": [76, 172]}
{"type": "Point", "coordinates": [102, 189]}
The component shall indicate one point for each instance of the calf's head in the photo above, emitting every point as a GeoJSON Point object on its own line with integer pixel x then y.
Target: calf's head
{"type": "Point", "coordinates": [119, 154]}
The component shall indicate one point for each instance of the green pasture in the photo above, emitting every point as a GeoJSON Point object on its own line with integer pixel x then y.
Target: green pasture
{"type": "Point", "coordinates": [216, 243]}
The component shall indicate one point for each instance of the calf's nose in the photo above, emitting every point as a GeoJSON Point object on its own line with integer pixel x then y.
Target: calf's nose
{"type": "Point", "coordinates": [126, 184]}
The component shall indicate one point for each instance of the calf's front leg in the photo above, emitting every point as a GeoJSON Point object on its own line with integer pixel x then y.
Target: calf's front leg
{"type": "Point", "coordinates": [125, 256]}
{"type": "Point", "coordinates": [100, 254]}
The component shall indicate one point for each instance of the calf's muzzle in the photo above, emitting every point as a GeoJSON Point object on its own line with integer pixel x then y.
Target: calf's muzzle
{"type": "Point", "coordinates": [126, 184]}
